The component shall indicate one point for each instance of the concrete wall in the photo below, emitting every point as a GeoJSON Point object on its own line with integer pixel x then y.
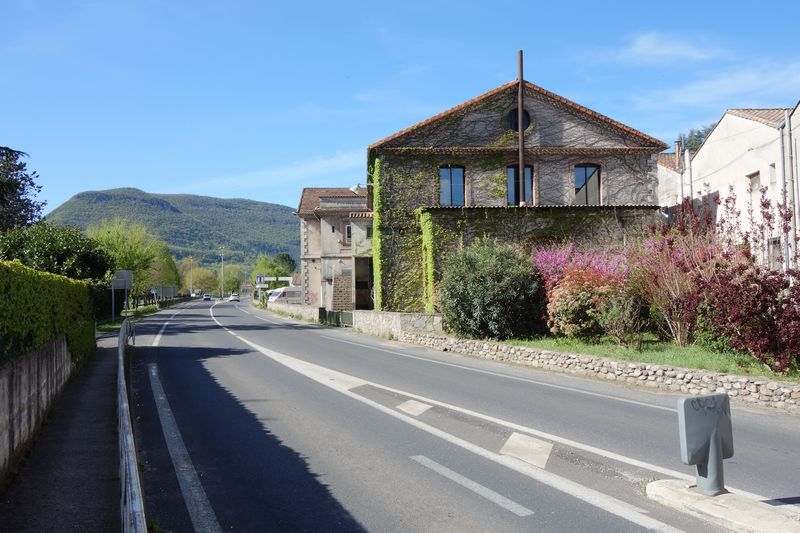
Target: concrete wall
{"type": "Point", "coordinates": [388, 324]}
{"type": "Point", "coordinates": [669, 183]}
{"type": "Point", "coordinates": [309, 313]}
{"type": "Point", "coordinates": [28, 386]}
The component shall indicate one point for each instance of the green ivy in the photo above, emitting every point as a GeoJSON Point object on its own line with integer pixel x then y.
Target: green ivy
{"type": "Point", "coordinates": [377, 210]}
{"type": "Point", "coordinates": [38, 307]}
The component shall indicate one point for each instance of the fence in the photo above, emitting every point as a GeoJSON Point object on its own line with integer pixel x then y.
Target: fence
{"type": "Point", "coordinates": [131, 498]}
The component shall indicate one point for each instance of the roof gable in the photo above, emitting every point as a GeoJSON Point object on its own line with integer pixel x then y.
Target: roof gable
{"type": "Point", "coordinates": [481, 121]}
{"type": "Point", "coordinates": [771, 116]}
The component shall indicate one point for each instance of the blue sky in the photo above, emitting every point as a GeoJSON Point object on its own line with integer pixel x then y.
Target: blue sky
{"type": "Point", "coordinates": [258, 99]}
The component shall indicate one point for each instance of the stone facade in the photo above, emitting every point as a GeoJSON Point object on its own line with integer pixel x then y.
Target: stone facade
{"type": "Point", "coordinates": [309, 313]}
{"type": "Point", "coordinates": [393, 325]}
{"type": "Point", "coordinates": [743, 389]}
{"type": "Point", "coordinates": [477, 136]}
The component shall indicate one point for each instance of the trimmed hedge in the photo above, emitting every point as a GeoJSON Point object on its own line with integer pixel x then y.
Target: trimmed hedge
{"type": "Point", "coordinates": [38, 307]}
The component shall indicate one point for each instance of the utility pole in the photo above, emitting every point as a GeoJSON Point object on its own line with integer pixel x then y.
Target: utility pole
{"type": "Point", "coordinates": [792, 180]}
{"type": "Point", "coordinates": [521, 129]}
{"type": "Point", "coordinates": [222, 273]}
{"type": "Point", "coordinates": [784, 191]}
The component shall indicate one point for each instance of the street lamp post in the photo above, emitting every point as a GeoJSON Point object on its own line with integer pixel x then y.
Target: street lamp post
{"type": "Point", "coordinates": [222, 273]}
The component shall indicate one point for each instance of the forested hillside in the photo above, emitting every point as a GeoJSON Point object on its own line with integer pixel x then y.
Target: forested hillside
{"type": "Point", "coordinates": [192, 225]}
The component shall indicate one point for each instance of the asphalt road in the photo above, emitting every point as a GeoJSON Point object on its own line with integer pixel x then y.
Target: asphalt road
{"type": "Point", "coordinates": [249, 422]}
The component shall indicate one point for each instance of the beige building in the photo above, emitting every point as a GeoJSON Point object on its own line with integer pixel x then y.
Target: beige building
{"type": "Point", "coordinates": [335, 248]}
{"type": "Point", "coordinates": [741, 156]}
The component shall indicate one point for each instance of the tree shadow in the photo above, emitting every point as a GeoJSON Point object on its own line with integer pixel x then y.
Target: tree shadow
{"type": "Point", "coordinates": [253, 481]}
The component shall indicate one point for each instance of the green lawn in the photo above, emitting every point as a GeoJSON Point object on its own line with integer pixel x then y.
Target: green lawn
{"type": "Point", "coordinates": [661, 353]}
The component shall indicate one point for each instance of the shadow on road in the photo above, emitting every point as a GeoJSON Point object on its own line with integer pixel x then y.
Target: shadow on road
{"type": "Point", "coordinates": [253, 481]}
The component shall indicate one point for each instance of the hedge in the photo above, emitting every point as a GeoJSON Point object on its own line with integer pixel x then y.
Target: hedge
{"type": "Point", "coordinates": [38, 307]}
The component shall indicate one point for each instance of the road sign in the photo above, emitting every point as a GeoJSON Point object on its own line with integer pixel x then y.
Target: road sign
{"type": "Point", "coordinates": [122, 279]}
{"type": "Point", "coordinates": [706, 437]}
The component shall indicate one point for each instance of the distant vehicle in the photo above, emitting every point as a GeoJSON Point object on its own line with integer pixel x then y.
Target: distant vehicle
{"type": "Point", "coordinates": [206, 297]}
{"type": "Point", "coordinates": [287, 295]}
{"type": "Point", "coordinates": [233, 297]}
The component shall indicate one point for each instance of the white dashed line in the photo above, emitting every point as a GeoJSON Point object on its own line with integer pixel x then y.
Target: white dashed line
{"type": "Point", "coordinates": [474, 486]}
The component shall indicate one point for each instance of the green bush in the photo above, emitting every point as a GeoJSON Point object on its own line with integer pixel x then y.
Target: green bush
{"type": "Point", "coordinates": [57, 249]}
{"type": "Point", "coordinates": [577, 303]}
{"type": "Point", "coordinates": [38, 307]}
{"type": "Point", "coordinates": [489, 290]}
{"type": "Point", "coordinates": [625, 317]}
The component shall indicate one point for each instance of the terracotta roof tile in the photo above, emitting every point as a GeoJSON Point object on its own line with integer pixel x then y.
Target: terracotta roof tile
{"type": "Point", "coordinates": [309, 199]}
{"type": "Point", "coordinates": [360, 214]}
{"type": "Point", "coordinates": [771, 116]}
{"type": "Point", "coordinates": [668, 160]}
{"type": "Point", "coordinates": [553, 97]}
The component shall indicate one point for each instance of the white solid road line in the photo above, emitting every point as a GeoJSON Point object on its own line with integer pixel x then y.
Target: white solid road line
{"type": "Point", "coordinates": [157, 339]}
{"type": "Point", "coordinates": [413, 407]}
{"type": "Point", "coordinates": [528, 449]}
{"type": "Point", "coordinates": [506, 376]}
{"type": "Point", "coordinates": [491, 373]}
{"type": "Point", "coordinates": [200, 511]}
{"type": "Point", "coordinates": [342, 383]}
{"type": "Point", "coordinates": [549, 436]}
{"type": "Point", "coordinates": [477, 488]}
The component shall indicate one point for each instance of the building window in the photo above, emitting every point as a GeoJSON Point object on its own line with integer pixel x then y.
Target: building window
{"type": "Point", "coordinates": [451, 186]}
{"type": "Point", "coordinates": [512, 184]}
{"type": "Point", "coordinates": [587, 184]}
{"type": "Point", "coordinates": [369, 232]}
{"type": "Point", "coordinates": [754, 185]}
{"type": "Point", "coordinates": [773, 177]}
{"type": "Point", "coordinates": [348, 233]}
{"type": "Point", "coordinates": [512, 120]}
{"type": "Point", "coordinates": [333, 228]}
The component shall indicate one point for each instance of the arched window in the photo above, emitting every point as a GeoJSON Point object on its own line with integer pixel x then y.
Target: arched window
{"type": "Point", "coordinates": [512, 184]}
{"type": "Point", "coordinates": [512, 120]}
{"type": "Point", "coordinates": [451, 185]}
{"type": "Point", "coordinates": [587, 184]}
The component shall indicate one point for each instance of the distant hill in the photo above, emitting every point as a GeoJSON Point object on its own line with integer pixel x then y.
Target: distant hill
{"type": "Point", "coordinates": [192, 225]}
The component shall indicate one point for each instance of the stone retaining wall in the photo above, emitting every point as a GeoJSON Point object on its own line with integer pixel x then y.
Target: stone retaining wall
{"type": "Point", "coordinates": [28, 387]}
{"type": "Point", "coordinates": [308, 313]}
{"type": "Point", "coordinates": [392, 325]}
{"type": "Point", "coordinates": [748, 389]}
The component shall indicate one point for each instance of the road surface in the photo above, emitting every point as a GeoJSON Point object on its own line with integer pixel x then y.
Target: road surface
{"type": "Point", "coordinates": [249, 422]}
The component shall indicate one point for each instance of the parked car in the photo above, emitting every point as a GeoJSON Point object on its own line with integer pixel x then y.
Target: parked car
{"type": "Point", "coordinates": [287, 295]}
{"type": "Point", "coordinates": [233, 297]}
{"type": "Point", "coordinates": [206, 297]}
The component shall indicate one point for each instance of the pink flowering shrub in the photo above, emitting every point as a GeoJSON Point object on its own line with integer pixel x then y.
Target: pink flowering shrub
{"type": "Point", "coordinates": [553, 261]}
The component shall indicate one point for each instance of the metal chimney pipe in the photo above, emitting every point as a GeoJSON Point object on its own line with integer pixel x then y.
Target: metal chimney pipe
{"type": "Point", "coordinates": [520, 129]}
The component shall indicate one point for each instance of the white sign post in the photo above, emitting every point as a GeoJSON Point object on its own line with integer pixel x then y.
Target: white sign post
{"type": "Point", "coordinates": [122, 279]}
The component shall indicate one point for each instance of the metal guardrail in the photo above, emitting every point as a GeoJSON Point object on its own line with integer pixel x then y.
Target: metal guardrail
{"type": "Point", "coordinates": [131, 498]}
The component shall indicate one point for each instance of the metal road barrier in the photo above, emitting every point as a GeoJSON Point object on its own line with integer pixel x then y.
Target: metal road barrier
{"type": "Point", "coordinates": [131, 498]}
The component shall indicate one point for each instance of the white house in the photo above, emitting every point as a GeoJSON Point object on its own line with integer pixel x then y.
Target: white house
{"type": "Point", "coordinates": [742, 155]}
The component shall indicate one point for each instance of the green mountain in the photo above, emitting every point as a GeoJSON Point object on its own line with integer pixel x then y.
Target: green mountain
{"type": "Point", "coordinates": [192, 225]}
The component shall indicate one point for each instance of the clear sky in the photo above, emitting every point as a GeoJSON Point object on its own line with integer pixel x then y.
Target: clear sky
{"type": "Point", "coordinates": [258, 99]}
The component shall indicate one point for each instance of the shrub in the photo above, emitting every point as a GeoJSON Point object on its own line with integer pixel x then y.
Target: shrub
{"type": "Point", "coordinates": [553, 261]}
{"type": "Point", "coordinates": [39, 307]}
{"type": "Point", "coordinates": [578, 301]}
{"type": "Point", "coordinates": [758, 310]}
{"type": "Point", "coordinates": [57, 249]}
{"type": "Point", "coordinates": [624, 317]}
{"type": "Point", "coordinates": [490, 290]}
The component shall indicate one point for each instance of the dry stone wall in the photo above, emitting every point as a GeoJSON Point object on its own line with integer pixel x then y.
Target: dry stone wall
{"type": "Point", "coordinates": [742, 389]}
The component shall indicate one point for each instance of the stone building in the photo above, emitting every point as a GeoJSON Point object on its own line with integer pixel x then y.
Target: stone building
{"type": "Point", "coordinates": [335, 248]}
{"type": "Point", "coordinates": [453, 177]}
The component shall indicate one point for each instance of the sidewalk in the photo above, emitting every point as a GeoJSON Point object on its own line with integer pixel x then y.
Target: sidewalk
{"type": "Point", "coordinates": [70, 479]}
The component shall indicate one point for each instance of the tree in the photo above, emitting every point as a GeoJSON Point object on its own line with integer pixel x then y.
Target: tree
{"type": "Point", "coordinates": [163, 271]}
{"type": "Point", "coordinates": [285, 262]}
{"type": "Point", "coordinates": [279, 265]}
{"type": "Point", "coordinates": [58, 249]}
{"type": "Point", "coordinates": [694, 138]}
{"type": "Point", "coordinates": [17, 191]}
{"type": "Point", "coordinates": [234, 277]}
{"type": "Point", "coordinates": [131, 246]}
{"type": "Point", "coordinates": [203, 280]}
